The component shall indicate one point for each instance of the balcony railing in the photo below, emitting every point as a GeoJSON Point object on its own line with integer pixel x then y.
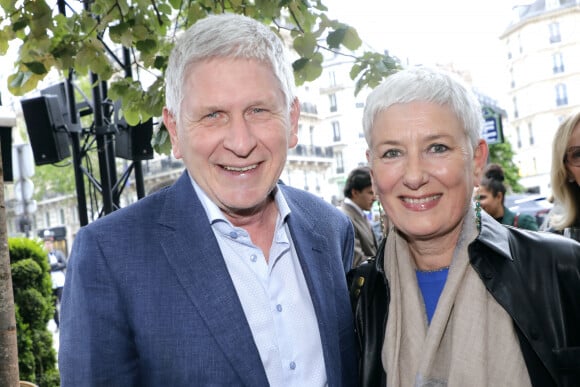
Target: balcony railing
{"type": "Point", "coordinates": [312, 151]}
{"type": "Point", "coordinates": [308, 108]}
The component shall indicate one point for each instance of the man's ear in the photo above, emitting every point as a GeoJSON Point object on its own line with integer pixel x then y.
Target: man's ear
{"type": "Point", "coordinates": [294, 117]}
{"type": "Point", "coordinates": [171, 125]}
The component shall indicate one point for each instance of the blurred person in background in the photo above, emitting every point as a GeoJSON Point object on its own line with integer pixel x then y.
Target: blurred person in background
{"type": "Point", "coordinates": [454, 298]}
{"type": "Point", "coordinates": [491, 196]}
{"type": "Point", "coordinates": [565, 179]}
{"type": "Point", "coordinates": [358, 198]}
{"type": "Point", "coordinates": [57, 262]}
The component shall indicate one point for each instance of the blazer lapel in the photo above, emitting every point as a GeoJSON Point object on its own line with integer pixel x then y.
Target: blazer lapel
{"type": "Point", "coordinates": [192, 250]}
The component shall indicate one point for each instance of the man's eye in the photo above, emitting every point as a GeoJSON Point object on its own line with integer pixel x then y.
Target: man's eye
{"type": "Point", "coordinates": [212, 115]}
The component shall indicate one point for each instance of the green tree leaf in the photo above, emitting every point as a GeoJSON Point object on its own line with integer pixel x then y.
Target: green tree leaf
{"type": "Point", "coordinates": [90, 40]}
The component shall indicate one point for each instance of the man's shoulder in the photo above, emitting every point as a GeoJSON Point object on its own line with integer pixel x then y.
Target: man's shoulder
{"type": "Point", "coordinates": [135, 214]}
{"type": "Point", "coordinates": [349, 210]}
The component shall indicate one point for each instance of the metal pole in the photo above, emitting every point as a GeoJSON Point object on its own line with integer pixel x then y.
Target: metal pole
{"type": "Point", "coordinates": [102, 146]}
{"type": "Point", "coordinates": [110, 145]}
{"type": "Point", "coordinates": [75, 137]}
{"type": "Point", "coordinates": [139, 181]}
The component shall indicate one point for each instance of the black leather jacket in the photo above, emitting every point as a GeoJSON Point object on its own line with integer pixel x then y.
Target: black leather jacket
{"type": "Point", "coordinates": [534, 276]}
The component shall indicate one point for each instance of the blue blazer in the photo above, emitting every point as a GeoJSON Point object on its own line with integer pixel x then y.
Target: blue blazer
{"type": "Point", "coordinates": [148, 300]}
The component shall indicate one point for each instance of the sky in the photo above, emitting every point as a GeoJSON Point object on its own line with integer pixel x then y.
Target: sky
{"type": "Point", "coordinates": [463, 32]}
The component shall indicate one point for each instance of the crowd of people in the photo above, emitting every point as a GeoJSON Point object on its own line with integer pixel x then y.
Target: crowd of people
{"type": "Point", "coordinates": [230, 277]}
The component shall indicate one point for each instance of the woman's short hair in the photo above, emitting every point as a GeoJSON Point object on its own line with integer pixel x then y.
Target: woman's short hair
{"type": "Point", "coordinates": [426, 84]}
{"type": "Point", "coordinates": [566, 193]}
{"type": "Point", "coordinates": [226, 36]}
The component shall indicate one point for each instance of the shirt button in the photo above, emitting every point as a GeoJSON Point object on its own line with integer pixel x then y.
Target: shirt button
{"type": "Point", "coordinates": [253, 257]}
{"type": "Point", "coordinates": [279, 308]}
{"type": "Point", "coordinates": [292, 365]}
{"type": "Point", "coordinates": [233, 234]}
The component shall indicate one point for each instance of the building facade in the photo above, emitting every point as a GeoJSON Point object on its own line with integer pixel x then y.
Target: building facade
{"type": "Point", "coordinates": [543, 60]}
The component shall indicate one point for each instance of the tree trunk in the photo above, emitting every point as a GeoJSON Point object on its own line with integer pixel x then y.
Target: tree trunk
{"type": "Point", "coordinates": [9, 376]}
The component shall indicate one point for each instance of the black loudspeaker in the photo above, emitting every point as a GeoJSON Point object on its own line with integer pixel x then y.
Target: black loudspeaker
{"type": "Point", "coordinates": [134, 142]}
{"type": "Point", "coordinates": [46, 129]}
{"type": "Point", "coordinates": [6, 143]}
{"type": "Point", "coordinates": [60, 91]}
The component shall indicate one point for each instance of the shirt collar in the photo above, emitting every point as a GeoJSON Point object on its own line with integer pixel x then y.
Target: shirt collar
{"type": "Point", "coordinates": [214, 213]}
{"type": "Point", "coordinates": [349, 202]}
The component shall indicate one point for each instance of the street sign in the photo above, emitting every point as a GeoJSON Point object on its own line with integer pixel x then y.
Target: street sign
{"type": "Point", "coordinates": [23, 161]}
{"type": "Point", "coordinates": [492, 131]}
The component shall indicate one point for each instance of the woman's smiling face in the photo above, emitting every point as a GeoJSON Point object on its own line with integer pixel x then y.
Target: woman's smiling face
{"type": "Point", "coordinates": [424, 168]}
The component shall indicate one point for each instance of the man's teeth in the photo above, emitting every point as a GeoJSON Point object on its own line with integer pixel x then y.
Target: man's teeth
{"type": "Point", "coordinates": [240, 169]}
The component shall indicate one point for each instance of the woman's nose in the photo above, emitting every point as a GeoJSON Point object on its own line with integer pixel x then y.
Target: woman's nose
{"type": "Point", "coordinates": [415, 173]}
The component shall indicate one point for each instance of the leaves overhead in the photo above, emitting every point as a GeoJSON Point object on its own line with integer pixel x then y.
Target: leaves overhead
{"type": "Point", "coordinates": [89, 35]}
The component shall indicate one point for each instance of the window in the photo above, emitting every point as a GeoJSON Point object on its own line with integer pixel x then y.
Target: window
{"type": "Point", "coordinates": [62, 217]}
{"type": "Point", "coordinates": [519, 137]}
{"type": "Point", "coordinates": [513, 83]}
{"type": "Point", "coordinates": [515, 102]}
{"type": "Point", "coordinates": [531, 133]}
{"type": "Point", "coordinates": [561, 95]}
{"type": "Point", "coordinates": [47, 219]}
{"type": "Point", "coordinates": [311, 133]}
{"type": "Point", "coordinates": [359, 105]}
{"type": "Point", "coordinates": [336, 131]}
{"type": "Point", "coordinates": [333, 107]}
{"type": "Point", "coordinates": [554, 32]}
{"type": "Point", "coordinates": [339, 163]}
{"type": "Point", "coordinates": [509, 49]}
{"type": "Point", "coordinates": [558, 63]}
{"type": "Point", "coordinates": [520, 44]}
{"type": "Point", "coordinates": [331, 78]}
{"type": "Point", "coordinates": [552, 4]}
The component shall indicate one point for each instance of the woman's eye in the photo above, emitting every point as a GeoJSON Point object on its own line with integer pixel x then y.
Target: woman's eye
{"type": "Point", "coordinates": [438, 148]}
{"type": "Point", "coordinates": [391, 153]}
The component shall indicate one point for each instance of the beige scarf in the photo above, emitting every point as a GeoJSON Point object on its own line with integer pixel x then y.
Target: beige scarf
{"type": "Point", "coordinates": [471, 340]}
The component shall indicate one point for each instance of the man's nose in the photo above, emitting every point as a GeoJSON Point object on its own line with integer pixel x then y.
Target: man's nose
{"type": "Point", "coordinates": [240, 138]}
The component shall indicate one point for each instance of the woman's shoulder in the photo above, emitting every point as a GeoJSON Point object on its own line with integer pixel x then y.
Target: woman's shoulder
{"type": "Point", "coordinates": [544, 245]}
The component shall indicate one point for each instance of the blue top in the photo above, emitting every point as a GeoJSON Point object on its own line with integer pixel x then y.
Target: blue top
{"type": "Point", "coordinates": [431, 284]}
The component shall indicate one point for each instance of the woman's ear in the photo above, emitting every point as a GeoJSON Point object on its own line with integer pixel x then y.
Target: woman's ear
{"type": "Point", "coordinates": [480, 160]}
